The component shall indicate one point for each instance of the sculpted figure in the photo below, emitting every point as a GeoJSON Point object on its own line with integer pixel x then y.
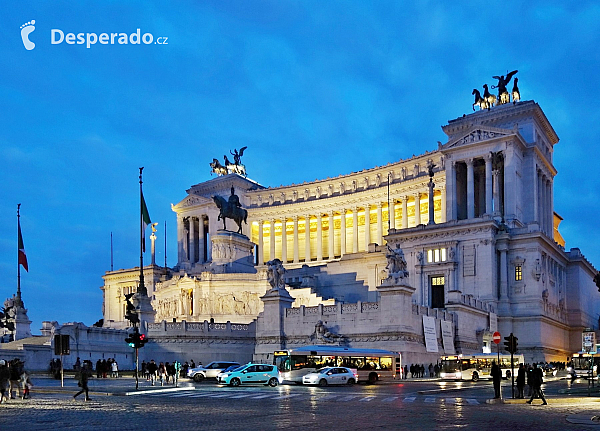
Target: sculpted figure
{"type": "Point", "coordinates": [396, 265]}
{"type": "Point", "coordinates": [237, 157]}
{"type": "Point", "coordinates": [275, 271]}
{"type": "Point", "coordinates": [323, 334]}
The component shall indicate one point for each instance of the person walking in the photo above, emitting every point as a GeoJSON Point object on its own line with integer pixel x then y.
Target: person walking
{"type": "Point", "coordinates": [496, 375]}
{"type": "Point", "coordinates": [151, 368]}
{"type": "Point", "coordinates": [162, 372]}
{"type": "Point", "coordinates": [115, 369]}
{"type": "Point", "coordinates": [520, 381]}
{"type": "Point", "coordinates": [84, 376]}
{"type": "Point", "coordinates": [4, 381]}
{"type": "Point", "coordinates": [538, 379]}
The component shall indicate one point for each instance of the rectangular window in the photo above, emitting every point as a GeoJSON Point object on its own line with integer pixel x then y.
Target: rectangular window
{"type": "Point", "coordinates": [518, 273]}
{"type": "Point", "coordinates": [436, 255]}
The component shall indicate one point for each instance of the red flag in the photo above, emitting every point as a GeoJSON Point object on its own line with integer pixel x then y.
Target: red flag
{"type": "Point", "coordinates": [22, 255]}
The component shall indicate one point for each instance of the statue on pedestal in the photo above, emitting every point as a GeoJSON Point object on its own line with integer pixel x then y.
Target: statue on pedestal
{"type": "Point", "coordinates": [275, 271]}
{"type": "Point", "coordinates": [396, 265]}
{"type": "Point", "coordinates": [231, 208]}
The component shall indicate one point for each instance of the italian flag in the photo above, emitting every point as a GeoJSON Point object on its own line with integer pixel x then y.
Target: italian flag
{"type": "Point", "coordinates": [22, 255]}
{"type": "Point", "coordinates": [145, 222]}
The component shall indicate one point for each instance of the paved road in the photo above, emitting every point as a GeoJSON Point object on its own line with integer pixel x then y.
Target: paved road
{"type": "Point", "coordinates": [406, 405]}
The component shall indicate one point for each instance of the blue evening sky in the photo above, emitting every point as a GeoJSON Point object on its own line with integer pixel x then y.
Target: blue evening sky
{"type": "Point", "coordinates": [314, 89]}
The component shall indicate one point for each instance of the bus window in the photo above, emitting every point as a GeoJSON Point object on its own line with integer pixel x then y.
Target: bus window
{"type": "Point", "coordinates": [298, 362]}
{"type": "Point", "coordinates": [386, 363]}
{"type": "Point", "coordinates": [466, 364]}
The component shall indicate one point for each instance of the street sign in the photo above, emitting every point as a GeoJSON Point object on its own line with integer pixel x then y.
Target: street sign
{"type": "Point", "coordinates": [588, 342]}
{"type": "Point", "coordinates": [496, 337]}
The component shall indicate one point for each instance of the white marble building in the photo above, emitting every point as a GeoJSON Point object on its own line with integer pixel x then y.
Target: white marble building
{"type": "Point", "coordinates": [475, 218]}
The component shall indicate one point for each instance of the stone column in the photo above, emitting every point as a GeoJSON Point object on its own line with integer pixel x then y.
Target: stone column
{"type": "Point", "coordinates": [367, 226]}
{"type": "Point", "coordinates": [543, 217]}
{"type": "Point", "coordinates": [354, 230]}
{"type": "Point", "coordinates": [201, 239]}
{"type": "Point", "coordinates": [271, 239]}
{"type": "Point", "coordinates": [443, 201]}
{"type": "Point", "coordinates": [319, 237]}
{"type": "Point", "coordinates": [343, 232]}
{"type": "Point", "coordinates": [307, 238]}
{"type": "Point", "coordinates": [451, 186]}
{"type": "Point", "coordinates": [261, 246]}
{"type": "Point", "coordinates": [417, 209]}
{"type": "Point", "coordinates": [536, 194]}
{"type": "Point", "coordinates": [296, 242]}
{"type": "Point", "coordinates": [330, 251]}
{"type": "Point", "coordinates": [379, 224]}
{"type": "Point", "coordinates": [180, 257]}
{"type": "Point", "coordinates": [392, 213]}
{"type": "Point", "coordinates": [503, 248]}
{"type": "Point", "coordinates": [431, 184]}
{"type": "Point", "coordinates": [404, 211]}
{"type": "Point", "coordinates": [192, 239]}
{"type": "Point", "coordinates": [283, 240]}
{"type": "Point", "coordinates": [496, 192]}
{"type": "Point", "coordinates": [548, 202]}
{"type": "Point", "coordinates": [470, 189]}
{"type": "Point", "coordinates": [488, 184]}
{"type": "Point", "coordinates": [551, 209]}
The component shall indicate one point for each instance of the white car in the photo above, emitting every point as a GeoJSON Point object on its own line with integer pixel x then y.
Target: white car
{"type": "Point", "coordinates": [331, 376]}
{"type": "Point", "coordinates": [209, 371]}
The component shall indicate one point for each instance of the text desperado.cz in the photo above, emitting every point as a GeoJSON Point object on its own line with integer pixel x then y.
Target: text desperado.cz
{"type": "Point", "coordinates": [57, 37]}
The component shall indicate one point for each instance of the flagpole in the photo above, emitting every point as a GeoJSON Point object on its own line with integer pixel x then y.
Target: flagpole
{"type": "Point", "coordinates": [165, 247]}
{"type": "Point", "coordinates": [18, 264]}
{"type": "Point", "coordinates": [142, 288]}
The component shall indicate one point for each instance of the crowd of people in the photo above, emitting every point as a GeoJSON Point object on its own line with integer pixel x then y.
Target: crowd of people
{"type": "Point", "coordinates": [14, 380]}
{"type": "Point", "coordinates": [163, 372]}
{"type": "Point", "coordinates": [417, 371]}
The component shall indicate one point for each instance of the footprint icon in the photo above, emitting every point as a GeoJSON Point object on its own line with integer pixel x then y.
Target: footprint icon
{"type": "Point", "coordinates": [26, 30]}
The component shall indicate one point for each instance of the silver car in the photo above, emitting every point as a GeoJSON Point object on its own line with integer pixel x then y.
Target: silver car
{"type": "Point", "coordinates": [209, 371]}
{"type": "Point", "coordinates": [331, 376]}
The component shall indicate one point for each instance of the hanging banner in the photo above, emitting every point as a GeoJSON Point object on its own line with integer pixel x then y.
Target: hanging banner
{"type": "Point", "coordinates": [493, 322]}
{"type": "Point", "coordinates": [431, 344]}
{"type": "Point", "coordinates": [447, 337]}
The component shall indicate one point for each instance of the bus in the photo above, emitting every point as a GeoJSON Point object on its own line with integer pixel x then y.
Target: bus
{"type": "Point", "coordinates": [370, 364]}
{"type": "Point", "coordinates": [584, 365]}
{"type": "Point", "coordinates": [477, 366]}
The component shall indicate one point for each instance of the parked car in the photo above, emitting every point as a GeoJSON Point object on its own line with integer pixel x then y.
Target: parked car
{"type": "Point", "coordinates": [251, 374]}
{"type": "Point", "coordinates": [331, 376]}
{"type": "Point", "coordinates": [209, 371]}
{"type": "Point", "coordinates": [550, 370]}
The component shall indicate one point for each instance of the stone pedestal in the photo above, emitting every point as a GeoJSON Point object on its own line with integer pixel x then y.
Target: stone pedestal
{"type": "Point", "coordinates": [395, 302]}
{"type": "Point", "coordinates": [22, 324]}
{"type": "Point", "coordinates": [232, 253]}
{"type": "Point", "coordinates": [270, 326]}
{"type": "Point", "coordinates": [145, 311]}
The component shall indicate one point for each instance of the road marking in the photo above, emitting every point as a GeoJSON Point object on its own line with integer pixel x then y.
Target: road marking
{"type": "Point", "coordinates": [430, 400]}
{"type": "Point", "coordinates": [409, 399]}
{"type": "Point", "coordinates": [262, 396]}
{"type": "Point", "coordinates": [285, 396]}
{"type": "Point", "coordinates": [201, 395]}
{"type": "Point", "coordinates": [348, 398]}
{"type": "Point", "coordinates": [450, 400]}
{"type": "Point", "coordinates": [472, 401]}
{"type": "Point", "coordinates": [367, 399]}
{"type": "Point", "coordinates": [244, 395]}
{"type": "Point", "coordinates": [219, 396]}
{"type": "Point", "coordinates": [389, 399]}
{"type": "Point", "coordinates": [185, 394]}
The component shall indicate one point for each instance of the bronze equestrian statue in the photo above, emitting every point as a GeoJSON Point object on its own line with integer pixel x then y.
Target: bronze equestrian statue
{"type": "Point", "coordinates": [231, 209]}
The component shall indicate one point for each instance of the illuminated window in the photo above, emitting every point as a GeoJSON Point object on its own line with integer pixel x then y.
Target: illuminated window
{"type": "Point", "coordinates": [518, 273]}
{"type": "Point", "coordinates": [436, 255]}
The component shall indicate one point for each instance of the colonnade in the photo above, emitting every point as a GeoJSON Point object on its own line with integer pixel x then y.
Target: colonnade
{"type": "Point", "coordinates": [192, 239]}
{"type": "Point", "coordinates": [544, 203]}
{"type": "Point", "coordinates": [333, 233]}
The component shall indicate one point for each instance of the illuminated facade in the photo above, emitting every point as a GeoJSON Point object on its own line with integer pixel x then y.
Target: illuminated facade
{"type": "Point", "coordinates": [475, 218]}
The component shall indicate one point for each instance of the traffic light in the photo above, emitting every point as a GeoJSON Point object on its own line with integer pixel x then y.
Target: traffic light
{"type": "Point", "coordinates": [130, 340]}
{"type": "Point", "coordinates": [141, 340]}
{"type": "Point", "coordinates": [511, 343]}
{"type": "Point", "coordinates": [130, 311]}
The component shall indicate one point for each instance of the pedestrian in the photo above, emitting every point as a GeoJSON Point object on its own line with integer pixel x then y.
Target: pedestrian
{"type": "Point", "coordinates": [162, 372]}
{"type": "Point", "coordinates": [430, 369]}
{"type": "Point", "coordinates": [16, 369]}
{"type": "Point", "coordinates": [145, 371]}
{"type": "Point", "coordinates": [99, 368]}
{"type": "Point", "coordinates": [521, 381]}
{"type": "Point", "coordinates": [177, 369]}
{"type": "Point", "coordinates": [84, 376]}
{"type": "Point", "coordinates": [405, 371]}
{"type": "Point", "coordinates": [26, 384]}
{"type": "Point", "coordinates": [436, 370]}
{"type": "Point", "coordinates": [151, 368]}
{"type": "Point", "coordinates": [496, 375]}
{"type": "Point", "coordinates": [4, 381]}
{"type": "Point", "coordinates": [114, 369]}
{"type": "Point", "coordinates": [538, 379]}
{"type": "Point", "coordinates": [529, 380]}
